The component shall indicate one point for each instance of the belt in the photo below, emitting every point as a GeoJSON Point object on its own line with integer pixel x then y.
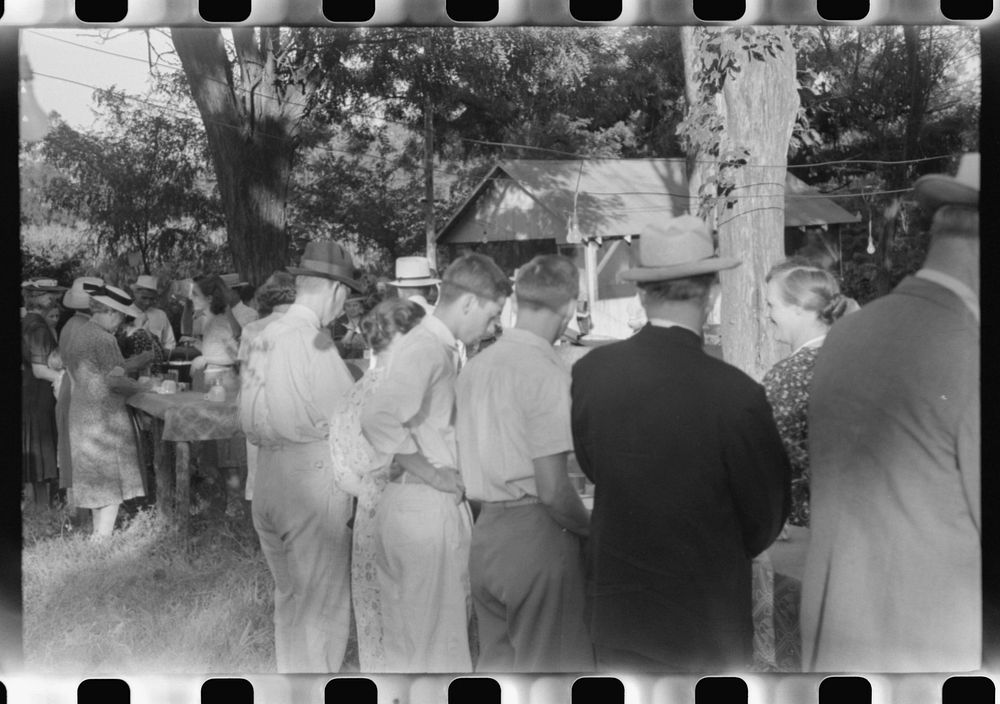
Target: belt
{"type": "Point", "coordinates": [512, 503]}
{"type": "Point", "coordinates": [408, 478]}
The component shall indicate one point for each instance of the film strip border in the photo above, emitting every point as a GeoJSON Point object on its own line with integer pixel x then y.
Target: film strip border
{"type": "Point", "coordinates": [494, 12]}
{"type": "Point", "coordinates": [511, 689]}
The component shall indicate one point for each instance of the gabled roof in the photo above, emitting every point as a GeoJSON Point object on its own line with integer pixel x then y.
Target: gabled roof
{"type": "Point", "coordinates": [618, 197]}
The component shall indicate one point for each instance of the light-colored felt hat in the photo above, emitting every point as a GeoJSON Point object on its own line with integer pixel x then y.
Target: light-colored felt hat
{"type": "Point", "coordinates": [676, 249]}
{"type": "Point", "coordinates": [935, 190]}
{"type": "Point", "coordinates": [414, 271]}
{"type": "Point", "coordinates": [147, 282]}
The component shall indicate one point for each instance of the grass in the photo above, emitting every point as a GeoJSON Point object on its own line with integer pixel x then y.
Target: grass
{"type": "Point", "coordinates": [148, 600]}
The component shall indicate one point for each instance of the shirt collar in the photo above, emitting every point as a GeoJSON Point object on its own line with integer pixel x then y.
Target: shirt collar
{"type": "Point", "coordinates": [440, 330]}
{"type": "Point", "coordinates": [520, 336]}
{"type": "Point", "coordinates": [297, 310]}
{"type": "Point", "coordinates": [959, 288]}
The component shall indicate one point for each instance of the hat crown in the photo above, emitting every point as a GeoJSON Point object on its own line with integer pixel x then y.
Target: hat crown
{"type": "Point", "coordinates": [147, 281]}
{"type": "Point", "coordinates": [968, 170]}
{"type": "Point", "coordinates": [413, 268]}
{"type": "Point", "coordinates": [682, 240]}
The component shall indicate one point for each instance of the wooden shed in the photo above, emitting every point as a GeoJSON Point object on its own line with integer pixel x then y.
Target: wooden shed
{"type": "Point", "coordinates": [591, 210]}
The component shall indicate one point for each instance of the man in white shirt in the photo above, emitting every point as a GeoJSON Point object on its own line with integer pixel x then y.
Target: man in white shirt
{"type": "Point", "coordinates": [423, 523]}
{"type": "Point", "coordinates": [514, 438]}
{"type": "Point", "coordinates": [146, 289]}
{"type": "Point", "coordinates": [292, 381]}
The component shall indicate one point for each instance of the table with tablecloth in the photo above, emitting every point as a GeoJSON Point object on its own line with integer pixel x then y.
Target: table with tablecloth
{"type": "Point", "coordinates": [178, 420]}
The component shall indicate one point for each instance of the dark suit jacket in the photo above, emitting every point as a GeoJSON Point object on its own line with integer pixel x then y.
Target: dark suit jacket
{"type": "Point", "coordinates": [692, 482]}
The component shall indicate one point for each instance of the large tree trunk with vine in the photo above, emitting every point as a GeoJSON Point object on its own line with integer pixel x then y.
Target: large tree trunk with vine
{"type": "Point", "coordinates": [759, 105]}
{"type": "Point", "coordinates": [250, 124]}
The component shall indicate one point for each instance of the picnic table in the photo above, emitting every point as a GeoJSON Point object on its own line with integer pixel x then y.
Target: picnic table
{"type": "Point", "coordinates": [179, 419]}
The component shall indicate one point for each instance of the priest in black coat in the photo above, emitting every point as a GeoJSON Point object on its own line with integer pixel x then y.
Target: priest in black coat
{"type": "Point", "coordinates": [691, 477]}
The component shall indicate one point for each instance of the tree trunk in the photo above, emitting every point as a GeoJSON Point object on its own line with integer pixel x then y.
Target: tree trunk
{"type": "Point", "coordinates": [761, 102]}
{"type": "Point", "coordinates": [250, 135]}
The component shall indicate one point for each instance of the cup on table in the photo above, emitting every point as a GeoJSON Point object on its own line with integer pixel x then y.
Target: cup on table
{"type": "Point", "coordinates": [173, 375]}
{"type": "Point", "coordinates": [169, 386]}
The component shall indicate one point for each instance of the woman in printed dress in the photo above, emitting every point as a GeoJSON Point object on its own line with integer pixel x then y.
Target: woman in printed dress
{"type": "Point", "coordinates": [106, 469]}
{"type": "Point", "coordinates": [803, 301]}
{"type": "Point", "coordinates": [363, 473]}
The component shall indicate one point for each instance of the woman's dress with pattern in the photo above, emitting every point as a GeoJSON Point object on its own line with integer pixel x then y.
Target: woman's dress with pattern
{"type": "Point", "coordinates": [787, 387]}
{"type": "Point", "coordinates": [139, 340]}
{"type": "Point", "coordinates": [38, 403]}
{"type": "Point", "coordinates": [65, 454]}
{"type": "Point", "coordinates": [105, 463]}
{"type": "Point", "coordinates": [362, 472]}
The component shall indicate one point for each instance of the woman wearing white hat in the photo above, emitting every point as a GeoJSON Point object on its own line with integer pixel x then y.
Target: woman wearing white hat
{"type": "Point", "coordinates": [105, 461]}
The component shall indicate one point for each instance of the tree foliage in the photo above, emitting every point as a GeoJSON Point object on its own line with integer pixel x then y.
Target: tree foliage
{"type": "Point", "coordinates": [138, 184]}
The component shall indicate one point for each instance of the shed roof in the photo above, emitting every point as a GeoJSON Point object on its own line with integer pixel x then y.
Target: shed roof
{"type": "Point", "coordinates": [614, 197]}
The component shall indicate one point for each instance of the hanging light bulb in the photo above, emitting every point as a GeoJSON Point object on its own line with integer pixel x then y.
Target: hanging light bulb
{"type": "Point", "coordinates": [871, 242]}
{"type": "Point", "coordinates": [34, 123]}
{"type": "Point", "coordinates": [573, 231]}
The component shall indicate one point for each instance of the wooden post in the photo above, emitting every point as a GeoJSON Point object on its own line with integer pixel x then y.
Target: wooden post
{"type": "Point", "coordinates": [590, 266]}
{"type": "Point", "coordinates": [183, 464]}
{"type": "Point", "coordinates": [164, 472]}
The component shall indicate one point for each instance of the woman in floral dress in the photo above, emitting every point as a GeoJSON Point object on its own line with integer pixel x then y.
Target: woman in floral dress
{"type": "Point", "coordinates": [363, 473]}
{"type": "Point", "coordinates": [803, 301]}
{"type": "Point", "coordinates": [106, 469]}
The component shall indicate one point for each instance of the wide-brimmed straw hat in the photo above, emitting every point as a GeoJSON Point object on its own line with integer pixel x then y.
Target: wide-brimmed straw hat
{"type": "Point", "coordinates": [676, 249]}
{"type": "Point", "coordinates": [147, 282]}
{"type": "Point", "coordinates": [113, 297]}
{"type": "Point", "coordinates": [414, 271]}
{"type": "Point", "coordinates": [329, 260]}
{"type": "Point", "coordinates": [935, 190]}
{"type": "Point", "coordinates": [77, 297]}
{"type": "Point", "coordinates": [42, 286]}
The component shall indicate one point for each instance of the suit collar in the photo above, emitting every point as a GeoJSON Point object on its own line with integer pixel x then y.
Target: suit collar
{"type": "Point", "coordinates": [653, 334]}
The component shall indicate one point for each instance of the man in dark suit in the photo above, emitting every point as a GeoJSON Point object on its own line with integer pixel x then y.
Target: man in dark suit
{"type": "Point", "coordinates": [691, 477]}
{"type": "Point", "coordinates": [893, 571]}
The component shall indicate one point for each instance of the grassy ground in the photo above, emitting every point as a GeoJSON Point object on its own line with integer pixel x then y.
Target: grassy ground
{"type": "Point", "coordinates": [148, 600]}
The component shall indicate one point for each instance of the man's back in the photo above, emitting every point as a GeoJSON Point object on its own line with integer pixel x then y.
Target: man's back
{"type": "Point", "coordinates": [894, 433]}
{"type": "Point", "coordinates": [691, 482]}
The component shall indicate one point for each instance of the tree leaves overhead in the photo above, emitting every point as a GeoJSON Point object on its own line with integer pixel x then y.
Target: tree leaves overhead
{"type": "Point", "coordinates": [140, 184]}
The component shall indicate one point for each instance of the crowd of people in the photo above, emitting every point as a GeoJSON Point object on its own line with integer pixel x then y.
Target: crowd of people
{"type": "Point", "coordinates": [432, 481]}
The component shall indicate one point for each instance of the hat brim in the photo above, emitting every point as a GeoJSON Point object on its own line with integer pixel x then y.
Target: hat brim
{"type": "Point", "coordinates": [353, 283]}
{"type": "Point", "coordinates": [935, 190]}
{"type": "Point", "coordinates": [409, 283]}
{"type": "Point", "coordinates": [680, 271]}
{"type": "Point", "coordinates": [44, 289]}
{"type": "Point", "coordinates": [130, 310]}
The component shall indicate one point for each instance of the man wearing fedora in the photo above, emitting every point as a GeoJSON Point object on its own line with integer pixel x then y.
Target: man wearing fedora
{"type": "Point", "coordinates": [691, 477]}
{"type": "Point", "coordinates": [414, 280]}
{"type": "Point", "coordinates": [893, 573]}
{"type": "Point", "coordinates": [146, 289]}
{"type": "Point", "coordinates": [293, 379]}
